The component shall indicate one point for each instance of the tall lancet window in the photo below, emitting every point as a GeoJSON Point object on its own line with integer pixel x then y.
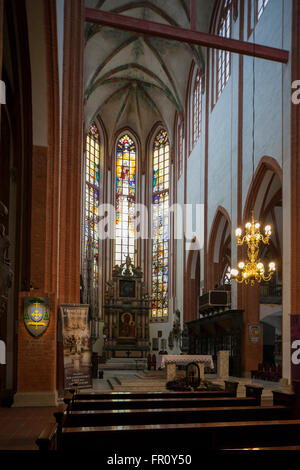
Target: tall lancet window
{"type": "Point", "coordinates": [92, 187]}
{"type": "Point", "coordinates": [197, 107]}
{"type": "Point", "coordinates": [125, 198]}
{"type": "Point", "coordinates": [160, 223]}
{"type": "Point", "coordinates": [224, 57]}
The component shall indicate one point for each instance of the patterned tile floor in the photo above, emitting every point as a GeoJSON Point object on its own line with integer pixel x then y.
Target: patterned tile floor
{"type": "Point", "coordinates": [20, 427]}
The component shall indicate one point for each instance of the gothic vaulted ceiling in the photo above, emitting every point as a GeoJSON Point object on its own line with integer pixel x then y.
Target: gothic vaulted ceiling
{"type": "Point", "coordinates": [136, 80]}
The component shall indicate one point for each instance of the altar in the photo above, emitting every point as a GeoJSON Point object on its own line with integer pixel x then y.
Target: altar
{"type": "Point", "coordinates": [126, 313]}
{"type": "Point", "coordinates": [169, 362]}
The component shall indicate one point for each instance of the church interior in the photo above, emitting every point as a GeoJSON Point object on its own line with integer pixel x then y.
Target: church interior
{"type": "Point", "coordinates": [149, 223]}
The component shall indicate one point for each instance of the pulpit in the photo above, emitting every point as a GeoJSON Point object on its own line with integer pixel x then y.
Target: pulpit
{"type": "Point", "coordinates": [126, 313]}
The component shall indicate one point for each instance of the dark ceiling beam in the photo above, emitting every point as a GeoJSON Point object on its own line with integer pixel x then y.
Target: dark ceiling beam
{"type": "Point", "coordinates": [115, 20]}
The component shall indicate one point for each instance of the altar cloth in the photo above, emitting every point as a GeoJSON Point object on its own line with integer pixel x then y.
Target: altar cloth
{"type": "Point", "coordinates": [184, 359]}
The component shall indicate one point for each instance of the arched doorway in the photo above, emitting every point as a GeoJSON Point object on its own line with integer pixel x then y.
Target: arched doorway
{"type": "Point", "coordinates": [262, 303]}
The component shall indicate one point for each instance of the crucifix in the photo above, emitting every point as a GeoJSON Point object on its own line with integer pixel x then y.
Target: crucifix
{"type": "Point", "coordinates": [116, 20]}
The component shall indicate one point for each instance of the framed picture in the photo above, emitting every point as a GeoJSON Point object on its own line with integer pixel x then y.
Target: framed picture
{"type": "Point", "coordinates": [127, 325]}
{"type": "Point", "coordinates": [126, 288]}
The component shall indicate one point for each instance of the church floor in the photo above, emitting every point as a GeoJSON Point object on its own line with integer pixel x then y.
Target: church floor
{"type": "Point", "coordinates": [20, 427]}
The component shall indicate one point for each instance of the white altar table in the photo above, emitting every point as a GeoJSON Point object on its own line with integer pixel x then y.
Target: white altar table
{"type": "Point", "coordinates": [170, 361]}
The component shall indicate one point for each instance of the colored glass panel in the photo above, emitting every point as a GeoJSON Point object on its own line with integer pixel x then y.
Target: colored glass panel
{"type": "Point", "coordinates": [160, 225]}
{"type": "Point", "coordinates": [92, 187]}
{"type": "Point", "coordinates": [125, 198]}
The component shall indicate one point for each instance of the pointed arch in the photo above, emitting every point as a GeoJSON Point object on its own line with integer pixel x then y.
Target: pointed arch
{"type": "Point", "coordinates": [219, 247]}
{"type": "Point", "coordinates": [160, 224]}
{"type": "Point", "coordinates": [265, 199]}
{"type": "Point", "coordinates": [125, 192]}
{"type": "Point", "coordinates": [266, 164]}
{"type": "Point", "coordinates": [192, 286]}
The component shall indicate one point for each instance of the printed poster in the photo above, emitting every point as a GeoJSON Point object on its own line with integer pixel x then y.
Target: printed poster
{"type": "Point", "coordinates": [76, 346]}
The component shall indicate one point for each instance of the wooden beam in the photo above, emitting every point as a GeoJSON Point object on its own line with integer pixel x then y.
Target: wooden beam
{"type": "Point", "coordinates": [175, 33]}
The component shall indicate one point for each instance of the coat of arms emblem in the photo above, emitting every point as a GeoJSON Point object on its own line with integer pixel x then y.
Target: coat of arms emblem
{"type": "Point", "coordinates": [36, 315]}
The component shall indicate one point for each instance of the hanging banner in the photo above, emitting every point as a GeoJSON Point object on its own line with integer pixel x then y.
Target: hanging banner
{"type": "Point", "coordinates": [295, 347]}
{"type": "Point", "coordinates": [76, 346]}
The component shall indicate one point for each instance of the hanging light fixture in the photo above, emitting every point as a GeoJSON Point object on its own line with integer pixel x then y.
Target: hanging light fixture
{"type": "Point", "coordinates": [253, 269]}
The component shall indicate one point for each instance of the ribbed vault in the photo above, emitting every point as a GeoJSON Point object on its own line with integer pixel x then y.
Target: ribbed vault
{"type": "Point", "coordinates": [134, 80]}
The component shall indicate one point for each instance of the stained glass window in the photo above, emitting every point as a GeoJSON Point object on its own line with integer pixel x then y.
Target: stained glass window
{"type": "Point", "coordinates": [227, 276]}
{"type": "Point", "coordinates": [224, 57]}
{"type": "Point", "coordinates": [125, 198]}
{"type": "Point", "coordinates": [92, 187]}
{"type": "Point", "coordinates": [160, 223]}
{"type": "Point", "coordinates": [197, 107]}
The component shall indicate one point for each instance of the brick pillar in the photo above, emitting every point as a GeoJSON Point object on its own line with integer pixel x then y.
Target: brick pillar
{"type": "Point", "coordinates": [38, 232]}
{"type": "Point", "coordinates": [71, 153]}
{"type": "Point", "coordinates": [36, 380]}
{"type": "Point", "coordinates": [56, 202]}
{"type": "Point", "coordinates": [252, 353]}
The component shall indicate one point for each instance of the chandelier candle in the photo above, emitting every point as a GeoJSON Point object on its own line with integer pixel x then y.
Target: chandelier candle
{"type": "Point", "coordinates": [253, 269]}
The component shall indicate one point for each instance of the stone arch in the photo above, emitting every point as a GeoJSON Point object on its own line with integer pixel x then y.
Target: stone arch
{"type": "Point", "coordinates": [264, 197]}
{"type": "Point", "coordinates": [219, 247]}
{"type": "Point", "coordinates": [192, 286]}
{"type": "Point", "coordinates": [266, 164]}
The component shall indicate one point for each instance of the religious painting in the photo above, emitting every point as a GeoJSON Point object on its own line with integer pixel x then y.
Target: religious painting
{"type": "Point", "coordinates": [36, 315]}
{"type": "Point", "coordinates": [127, 325]}
{"type": "Point", "coordinates": [126, 288]}
{"type": "Point", "coordinates": [76, 345]}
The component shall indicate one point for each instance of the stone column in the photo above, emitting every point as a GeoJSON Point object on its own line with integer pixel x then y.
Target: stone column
{"type": "Point", "coordinates": [170, 372]}
{"type": "Point", "coordinates": [201, 367]}
{"type": "Point", "coordinates": [223, 364]}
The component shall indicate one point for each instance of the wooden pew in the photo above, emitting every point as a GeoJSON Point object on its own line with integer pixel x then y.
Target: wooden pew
{"type": "Point", "coordinates": [149, 395]}
{"type": "Point", "coordinates": [154, 403]}
{"type": "Point", "coordinates": [200, 436]}
{"type": "Point", "coordinates": [47, 440]}
{"type": "Point", "coordinates": [229, 391]}
{"type": "Point", "coordinates": [158, 403]}
{"type": "Point", "coordinates": [110, 400]}
{"type": "Point", "coordinates": [172, 415]}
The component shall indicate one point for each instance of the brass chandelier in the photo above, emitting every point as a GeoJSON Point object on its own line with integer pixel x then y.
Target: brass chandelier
{"type": "Point", "coordinates": [253, 270]}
